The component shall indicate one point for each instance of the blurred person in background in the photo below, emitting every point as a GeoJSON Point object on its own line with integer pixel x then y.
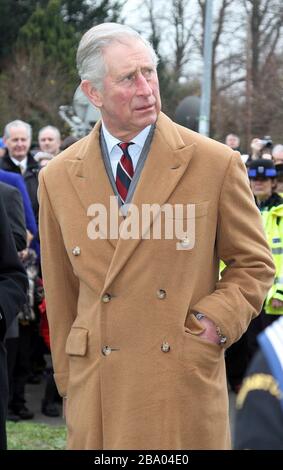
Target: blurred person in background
{"type": "Point", "coordinates": [277, 157]}
{"type": "Point", "coordinates": [18, 159]}
{"type": "Point", "coordinates": [277, 154]}
{"type": "Point", "coordinates": [49, 404]}
{"type": "Point", "coordinates": [14, 207]}
{"type": "Point", "coordinates": [13, 287]}
{"type": "Point", "coordinates": [259, 405]}
{"type": "Point", "coordinates": [43, 158]}
{"type": "Point", "coordinates": [260, 148]}
{"type": "Point", "coordinates": [13, 203]}
{"type": "Point", "coordinates": [262, 174]}
{"type": "Point", "coordinates": [68, 141]}
{"type": "Point", "coordinates": [233, 141]}
{"type": "Point", "coordinates": [263, 180]}
{"type": "Point", "coordinates": [17, 181]}
{"type": "Point", "coordinates": [2, 147]}
{"type": "Point", "coordinates": [49, 140]}
{"type": "Point", "coordinates": [279, 178]}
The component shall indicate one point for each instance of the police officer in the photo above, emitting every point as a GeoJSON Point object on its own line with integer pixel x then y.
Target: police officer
{"type": "Point", "coordinates": [259, 419]}
{"type": "Point", "coordinates": [279, 171]}
{"type": "Point", "coordinates": [13, 286]}
{"type": "Point", "coordinates": [262, 174]}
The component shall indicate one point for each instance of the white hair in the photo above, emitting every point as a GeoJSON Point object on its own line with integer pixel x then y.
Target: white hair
{"type": "Point", "coordinates": [17, 123]}
{"type": "Point", "coordinates": [90, 60]}
{"type": "Point", "coordinates": [277, 149]}
{"type": "Point", "coordinates": [50, 128]}
{"type": "Point", "coordinates": [43, 156]}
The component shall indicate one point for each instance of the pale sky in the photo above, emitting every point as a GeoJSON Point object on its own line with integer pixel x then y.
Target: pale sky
{"type": "Point", "coordinates": [131, 11]}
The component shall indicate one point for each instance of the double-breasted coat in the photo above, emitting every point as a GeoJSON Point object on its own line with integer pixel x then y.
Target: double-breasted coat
{"type": "Point", "coordinates": [124, 340]}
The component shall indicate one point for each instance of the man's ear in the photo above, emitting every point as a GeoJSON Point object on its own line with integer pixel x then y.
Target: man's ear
{"type": "Point", "coordinates": [92, 93]}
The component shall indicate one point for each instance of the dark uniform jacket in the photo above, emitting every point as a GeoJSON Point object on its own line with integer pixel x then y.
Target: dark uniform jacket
{"type": "Point", "coordinates": [15, 210]}
{"type": "Point", "coordinates": [13, 286]}
{"type": "Point", "coordinates": [259, 419]}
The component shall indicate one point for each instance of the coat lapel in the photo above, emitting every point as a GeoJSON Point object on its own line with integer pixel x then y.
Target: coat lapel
{"type": "Point", "coordinates": [90, 180]}
{"type": "Point", "coordinates": [166, 163]}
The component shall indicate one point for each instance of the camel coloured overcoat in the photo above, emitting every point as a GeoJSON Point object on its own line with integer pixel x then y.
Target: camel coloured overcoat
{"type": "Point", "coordinates": [124, 340]}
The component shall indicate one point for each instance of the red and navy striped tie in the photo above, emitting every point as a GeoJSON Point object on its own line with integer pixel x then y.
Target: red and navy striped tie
{"type": "Point", "coordinates": [125, 171]}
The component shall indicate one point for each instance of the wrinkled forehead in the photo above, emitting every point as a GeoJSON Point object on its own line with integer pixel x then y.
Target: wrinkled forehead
{"type": "Point", "coordinates": [48, 134]}
{"type": "Point", "coordinates": [18, 132]}
{"type": "Point", "coordinates": [125, 49]}
{"type": "Point", "coordinates": [124, 40]}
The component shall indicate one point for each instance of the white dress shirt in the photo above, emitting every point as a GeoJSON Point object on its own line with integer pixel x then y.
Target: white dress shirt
{"type": "Point", "coordinates": [23, 164]}
{"type": "Point", "coordinates": [115, 152]}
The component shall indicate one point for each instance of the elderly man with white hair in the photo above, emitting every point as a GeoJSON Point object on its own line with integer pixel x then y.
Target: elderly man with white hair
{"type": "Point", "coordinates": [18, 159]}
{"type": "Point", "coordinates": [277, 154]}
{"type": "Point", "coordinates": [49, 140]}
{"type": "Point", "coordinates": [139, 323]}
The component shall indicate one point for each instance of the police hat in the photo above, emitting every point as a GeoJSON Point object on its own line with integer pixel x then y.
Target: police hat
{"type": "Point", "coordinates": [262, 167]}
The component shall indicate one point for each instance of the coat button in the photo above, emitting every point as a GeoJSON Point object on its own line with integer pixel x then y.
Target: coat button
{"type": "Point", "coordinates": [106, 298]}
{"type": "Point", "coordinates": [165, 347]}
{"type": "Point", "coordinates": [185, 242]}
{"type": "Point", "coordinates": [106, 350]}
{"type": "Point", "coordinates": [76, 251]}
{"type": "Point", "coordinates": [161, 294]}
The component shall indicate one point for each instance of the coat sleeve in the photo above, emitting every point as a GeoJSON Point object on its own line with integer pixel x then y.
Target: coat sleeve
{"type": "Point", "coordinates": [63, 288]}
{"type": "Point", "coordinates": [13, 279]}
{"type": "Point", "coordinates": [29, 215]}
{"type": "Point", "coordinates": [241, 244]}
{"type": "Point", "coordinates": [15, 211]}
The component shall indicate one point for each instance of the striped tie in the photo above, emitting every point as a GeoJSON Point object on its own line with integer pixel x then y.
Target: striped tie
{"type": "Point", "coordinates": [125, 171]}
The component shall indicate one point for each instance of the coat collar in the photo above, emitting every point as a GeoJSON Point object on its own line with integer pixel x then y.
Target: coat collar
{"type": "Point", "coordinates": [165, 165]}
{"type": "Point", "coordinates": [88, 175]}
{"type": "Point", "coordinates": [7, 163]}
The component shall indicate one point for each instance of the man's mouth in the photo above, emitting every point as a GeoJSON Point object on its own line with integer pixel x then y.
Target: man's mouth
{"type": "Point", "coordinates": [145, 108]}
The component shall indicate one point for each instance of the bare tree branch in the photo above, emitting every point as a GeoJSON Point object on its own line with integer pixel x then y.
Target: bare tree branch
{"type": "Point", "coordinates": [226, 86]}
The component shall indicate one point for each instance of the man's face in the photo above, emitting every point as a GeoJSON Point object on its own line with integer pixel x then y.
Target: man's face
{"type": "Point", "coordinates": [49, 142]}
{"type": "Point", "coordinates": [18, 143]}
{"type": "Point", "coordinates": [278, 158]}
{"type": "Point", "coordinates": [279, 187]}
{"type": "Point", "coordinates": [232, 141]}
{"type": "Point", "coordinates": [129, 100]}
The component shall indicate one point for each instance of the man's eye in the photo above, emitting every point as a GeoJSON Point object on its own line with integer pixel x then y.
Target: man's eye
{"type": "Point", "coordinates": [129, 78]}
{"type": "Point", "coordinates": [147, 73]}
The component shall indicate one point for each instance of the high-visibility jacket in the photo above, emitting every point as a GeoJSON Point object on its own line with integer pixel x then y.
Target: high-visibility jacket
{"type": "Point", "coordinates": [273, 227]}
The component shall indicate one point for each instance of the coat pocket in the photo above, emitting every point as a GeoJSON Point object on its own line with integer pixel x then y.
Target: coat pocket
{"type": "Point", "coordinates": [77, 340]}
{"type": "Point", "coordinates": [192, 210]}
{"type": "Point", "coordinates": [193, 325]}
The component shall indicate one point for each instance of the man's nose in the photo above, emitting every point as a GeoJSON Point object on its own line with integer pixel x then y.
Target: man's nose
{"type": "Point", "coordinates": [143, 86]}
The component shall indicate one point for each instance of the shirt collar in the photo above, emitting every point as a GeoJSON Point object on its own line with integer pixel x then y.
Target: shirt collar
{"type": "Point", "coordinates": [23, 164]}
{"type": "Point", "coordinates": [111, 141]}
